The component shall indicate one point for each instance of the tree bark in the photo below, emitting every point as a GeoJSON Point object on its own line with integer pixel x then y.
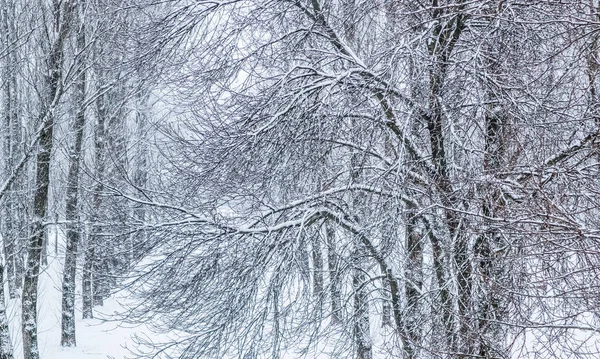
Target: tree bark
{"type": "Point", "coordinates": [35, 242]}
{"type": "Point", "coordinates": [68, 338]}
{"type": "Point", "coordinates": [334, 276]}
{"type": "Point", "coordinates": [13, 218]}
{"type": "Point", "coordinates": [90, 256]}
{"type": "Point", "coordinates": [87, 294]}
{"type": "Point", "coordinates": [6, 349]}
{"type": "Point", "coordinates": [413, 285]}
{"type": "Point", "coordinates": [317, 259]}
{"type": "Point", "coordinates": [446, 32]}
{"type": "Point", "coordinates": [137, 246]}
{"type": "Point", "coordinates": [51, 91]}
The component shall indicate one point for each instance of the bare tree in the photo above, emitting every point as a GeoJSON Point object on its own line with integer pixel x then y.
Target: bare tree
{"type": "Point", "coordinates": [349, 177]}
{"type": "Point", "coordinates": [72, 215]}
{"type": "Point", "coordinates": [442, 139]}
{"type": "Point", "coordinates": [51, 91]}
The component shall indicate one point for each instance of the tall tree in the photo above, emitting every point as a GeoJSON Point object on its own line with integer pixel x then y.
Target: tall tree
{"type": "Point", "coordinates": [72, 196]}
{"type": "Point", "coordinates": [51, 90]}
{"type": "Point", "coordinates": [439, 144]}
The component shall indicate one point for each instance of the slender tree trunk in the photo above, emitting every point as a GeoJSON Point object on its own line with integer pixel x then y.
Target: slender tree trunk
{"type": "Point", "coordinates": [108, 256]}
{"type": "Point", "coordinates": [334, 277]}
{"type": "Point", "coordinates": [45, 249]}
{"type": "Point", "coordinates": [100, 272]}
{"type": "Point", "coordinates": [317, 259]}
{"type": "Point", "coordinates": [138, 240]}
{"type": "Point", "coordinates": [360, 316]}
{"type": "Point", "coordinates": [72, 206]}
{"type": "Point", "coordinates": [361, 330]}
{"type": "Point", "coordinates": [489, 259]}
{"type": "Point", "coordinates": [34, 245]}
{"type": "Point", "coordinates": [6, 349]}
{"type": "Point", "coordinates": [90, 258]}
{"type": "Point", "coordinates": [414, 283]}
{"type": "Point", "coordinates": [12, 138]}
{"type": "Point", "coordinates": [446, 32]}
{"type": "Point", "coordinates": [87, 294]}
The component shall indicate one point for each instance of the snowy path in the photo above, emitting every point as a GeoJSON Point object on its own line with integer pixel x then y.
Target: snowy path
{"type": "Point", "coordinates": [96, 338]}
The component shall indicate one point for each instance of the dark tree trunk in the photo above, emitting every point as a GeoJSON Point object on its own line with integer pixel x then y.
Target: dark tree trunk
{"type": "Point", "coordinates": [35, 243]}
{"type": "Point", "coordinates": [362, 335]}
{"type": "Point", "coordinates": [72, 207]}
{"type": "Point", "coordinates": [317, 259]}
{"type": "Point", "coordinates": [332, 268]}
{"type": "Point", "coordinates": [12, 138]}
{"type": "Point", "coordinates": [52, 92]}
{"type": "Point", "coordinates": [413, 286]}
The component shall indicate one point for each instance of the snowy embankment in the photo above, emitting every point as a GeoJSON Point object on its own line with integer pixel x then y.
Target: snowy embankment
{"type": "Point", "coordinates": [97, 338]}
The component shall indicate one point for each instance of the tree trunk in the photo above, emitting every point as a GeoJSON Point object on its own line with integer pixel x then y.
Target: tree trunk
{"type": "Point", "coordinates": [87, 294]}
{"type": "Point", "coordinates": [332, 268]}
{"type": "Point", "coordinates": [414, 283]}
{"type": "Point", "coordinates": [362, 335]}
{"type": "Point", "coordinates": [317, 259]}
{"type": "Point", "coordinates": [6, 350]}
{"type": "Point", "coordinates": [52, 92]}
{"type": "Point", "coordinates": [45, 249]}
{"type": "Point", "coordinates": [140, 178]}
{"type": "Point", "coordinates": [101, 269]}
{"type": "Point", "coordinates": [446, 32]}
{"type": "Point", "coordinates": [12, 138]}
{"type": "Point", "coordinates": [72, 206]}
{"type": "Point", "coordinates": [91, 257]}
{"type": "Point", "coordinates": [35, 242]}
{"type": "Point", "coordinates": [488, 261]}
{"type": "Point", "coordinates": [360, 316]}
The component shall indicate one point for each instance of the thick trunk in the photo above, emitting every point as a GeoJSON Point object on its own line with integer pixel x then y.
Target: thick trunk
{"type": "Point", "coordinates": [386, 307]}
{"type": "Point", "coordinates": [45, 249]}
{"type": "Point", "coordinates": [68, 291]}
{"type": "Point", "coordinates": [9, 249]}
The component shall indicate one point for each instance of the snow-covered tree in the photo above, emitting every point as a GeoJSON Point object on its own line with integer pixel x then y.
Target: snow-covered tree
{"type": "Point", "coordinates": [434, 142]}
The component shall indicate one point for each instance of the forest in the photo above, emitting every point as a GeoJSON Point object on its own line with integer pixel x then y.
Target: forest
{"type": "Point", "coordinates": [278, 179]}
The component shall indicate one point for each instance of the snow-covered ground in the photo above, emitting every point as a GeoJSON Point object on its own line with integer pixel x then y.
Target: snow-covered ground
{"type": "Point", "coordinates": [106, 337]}
{"type": "Point", "coordinates": [98, 338]}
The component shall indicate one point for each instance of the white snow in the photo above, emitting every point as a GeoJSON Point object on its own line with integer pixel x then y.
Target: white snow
{"type": "Point", "coordinates": [106, 338]}
{"type": "Point", "coordinates": [99, 338]}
